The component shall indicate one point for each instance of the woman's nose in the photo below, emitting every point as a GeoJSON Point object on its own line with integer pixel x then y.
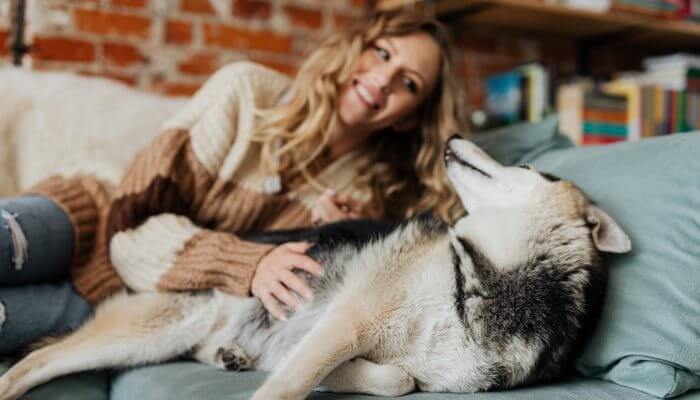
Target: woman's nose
{"type": "Point", "coordinates": [383, 76]}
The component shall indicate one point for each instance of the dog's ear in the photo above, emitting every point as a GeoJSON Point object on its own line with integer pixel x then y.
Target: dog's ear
{"type": "Point", "coordinates": [607, 234]}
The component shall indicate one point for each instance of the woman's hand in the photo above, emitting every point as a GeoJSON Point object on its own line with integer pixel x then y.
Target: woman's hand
{"type": "Point", "coordinates": [275, 283]}
{"type": "Point", "coordinates": [332, 207]}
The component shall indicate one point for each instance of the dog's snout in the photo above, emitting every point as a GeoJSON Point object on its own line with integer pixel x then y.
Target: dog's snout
{"type": "Point", "coordinates": [449, 153]}
{"type": "Point", "coordinates": [455, 136]}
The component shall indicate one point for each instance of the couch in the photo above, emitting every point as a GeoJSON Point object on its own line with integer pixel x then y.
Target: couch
{"type": "Point", "coordinates": [645, 347]}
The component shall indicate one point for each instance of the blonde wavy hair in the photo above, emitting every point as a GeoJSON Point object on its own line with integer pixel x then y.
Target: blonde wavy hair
{"type": "Point", "coordinates": [405, 171]}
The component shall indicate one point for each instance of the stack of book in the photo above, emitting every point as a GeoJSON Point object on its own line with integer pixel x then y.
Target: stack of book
{"type": "Point", "coordinates": [664, 111]}
{"type": "Point", "coordinates": [674, 72]}
{"type": "Point", "coordinates": [667, 9]}
{"type": "Point", "coordinates": [693, 10]}
{"type": "Point", "coordinates": [665, 99]}
{"type": "Point", "coordinates": [518, 95]}
{"type": "Point", "coordinates": [604, 118]}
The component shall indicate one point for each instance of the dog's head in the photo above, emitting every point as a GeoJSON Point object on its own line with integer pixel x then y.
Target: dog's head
{"type": "Point", "coordinates": [525, 201]}
{"type": "Point", "coordinates": [532, 241]}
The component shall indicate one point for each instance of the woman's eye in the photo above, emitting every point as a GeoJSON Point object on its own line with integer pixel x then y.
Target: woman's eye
{"type": "Point", "coordinates": [524, 166]}
{"type": "Point", "coordinates": [411, 85]}
{"type": "Point", "coordinates": [381, 53]}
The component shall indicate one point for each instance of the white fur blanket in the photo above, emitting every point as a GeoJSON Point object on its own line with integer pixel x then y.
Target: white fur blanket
{"type": "Point", "coordinates": [59, 123]}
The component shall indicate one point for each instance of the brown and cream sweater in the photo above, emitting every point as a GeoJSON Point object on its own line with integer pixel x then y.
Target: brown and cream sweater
{"type": "Point", "coordinates": [173, 222]}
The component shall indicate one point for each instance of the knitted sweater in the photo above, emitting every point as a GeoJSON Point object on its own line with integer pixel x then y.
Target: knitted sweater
{"type": "Point", "coordinates": [173, 222]}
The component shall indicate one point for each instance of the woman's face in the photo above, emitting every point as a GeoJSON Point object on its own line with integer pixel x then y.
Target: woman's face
{"type": "Point", "coordinates": [391, 79]}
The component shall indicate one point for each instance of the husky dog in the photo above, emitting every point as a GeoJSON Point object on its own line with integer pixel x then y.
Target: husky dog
{"type": "Point", "coordinates": [500, 299]}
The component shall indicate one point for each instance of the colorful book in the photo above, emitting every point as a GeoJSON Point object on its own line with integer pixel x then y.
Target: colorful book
{"type": "Point", "coordinates": [591, 140]}
{"type": "Point", "coordinates": [631, 90]}
{"type": "Point", "coordinates": [601, 128]}
{"type": "Point", "coordinates": [504, 97]}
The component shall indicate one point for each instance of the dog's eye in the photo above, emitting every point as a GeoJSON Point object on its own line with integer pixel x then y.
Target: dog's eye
{"type": "Point", "coordinates": [524, 166]}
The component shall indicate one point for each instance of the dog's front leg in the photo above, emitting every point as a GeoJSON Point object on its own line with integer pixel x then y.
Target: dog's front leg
{"type": "Point", "coordinates": [340, 335]}
{"type": "Point", "coordinates": [362, 376]}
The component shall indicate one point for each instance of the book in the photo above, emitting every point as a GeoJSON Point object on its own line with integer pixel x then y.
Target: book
{"type": "Point", "coordinates": [605, 129]}
{"type": "Point", "coordinates": [504, 96]}
{"type": "Point", "coordinates": [569, 102]}
{"type": "Point", "coordinates": [693, 10]}
{"type": "Point", "coordinates": [537, 91]}
{"type": "Point", "coordinates": [665, 9]}
{"type": "Point", "coordinates": [590, 5]}
{"type": "Point", "coordinates": [520, 94]}
{"type": "Point", "coordinates": [631, 90]}
{"type": "Point", "coordinates": [599, 140]}
{"type": "Point", "coordinates": [605, 117]}
{"type": "Point", "coordinates": [677, 61]}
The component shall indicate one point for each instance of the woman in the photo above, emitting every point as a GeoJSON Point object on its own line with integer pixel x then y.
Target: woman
{"type": "Point", "coordinates": [357, 134]}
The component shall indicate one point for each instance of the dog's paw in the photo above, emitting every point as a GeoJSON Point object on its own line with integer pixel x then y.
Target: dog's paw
{"type": "Point", "coordinates": [234, 358]}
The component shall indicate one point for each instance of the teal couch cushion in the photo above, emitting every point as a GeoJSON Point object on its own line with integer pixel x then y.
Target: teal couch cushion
{"type": "Point", "coordinates": [522, 143]}
{"type": "Point", "coordinates": [84, 386]}
{"type": "Point", "coordinates": [192, 381]}
{"type": "Point", "coordinates": [649, 334]}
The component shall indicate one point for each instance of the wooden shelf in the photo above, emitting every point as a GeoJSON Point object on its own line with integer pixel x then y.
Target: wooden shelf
{"type": "Point", "coordinates": [598, 28]}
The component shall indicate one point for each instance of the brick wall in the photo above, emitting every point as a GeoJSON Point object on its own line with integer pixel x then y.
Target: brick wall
{"type": "Point", "coordinates": [4, 31]}
{"type": "Point", "coordinates": [172, 46]}
{"type": "Point", "coordinates": [482, 52]}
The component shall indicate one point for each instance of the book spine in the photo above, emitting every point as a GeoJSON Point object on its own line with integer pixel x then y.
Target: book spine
{"type": "Point", "coordinates": [594, 128]}
{"type": "Point", "coordinates": [600, 115]}
{"type": "Point", "coordinates": [599, 140]}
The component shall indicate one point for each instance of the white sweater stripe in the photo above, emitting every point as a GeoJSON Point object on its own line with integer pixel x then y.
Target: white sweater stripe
{"type": "Point", "coordinates": [142, 255]}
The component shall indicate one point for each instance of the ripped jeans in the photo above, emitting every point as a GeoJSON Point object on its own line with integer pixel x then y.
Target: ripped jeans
{"type": "Point", "coordinates": [36, 297]}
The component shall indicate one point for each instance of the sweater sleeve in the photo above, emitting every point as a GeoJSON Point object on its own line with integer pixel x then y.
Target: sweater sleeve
{"type": "Point", "coordinates": [158, 239]}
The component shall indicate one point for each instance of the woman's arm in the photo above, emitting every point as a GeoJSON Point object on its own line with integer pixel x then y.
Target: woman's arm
{"type": "Point", "coordinates": [156, 233]}
{"type": "Point", "coordinates": [154, 242]}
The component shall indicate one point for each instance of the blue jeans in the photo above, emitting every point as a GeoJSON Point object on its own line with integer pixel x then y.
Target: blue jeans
{"type": "Point", "coordinates": [36, 297]}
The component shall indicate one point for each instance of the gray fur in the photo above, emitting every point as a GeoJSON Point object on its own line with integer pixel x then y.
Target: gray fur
{"type": "Point", "coordinates": [502, 298]}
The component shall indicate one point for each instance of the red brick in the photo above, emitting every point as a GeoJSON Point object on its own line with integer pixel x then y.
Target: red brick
{"type": "Point", "coordinates": [121, 54]}
{"type": "Point", "coordinates": [284, 68]}
{"type": "Point", "coordinates": [488, 68]}
{"type": "Point", "coordinates": [359, 3]}
{"type": "Point", "coordinates": [197, 6]}
{"type": "Point", "coordinates": [62, 49]}
{"type": "Point", "coordinates": [252, 9]}
{"type": "Point", "coordinates": [124, 78]}
{"type": "Point", "coordinates": [178, 32]}
{"type": "Point", "coordinates": [130, 3]}
{"type": "Point", "coordinates": [4, 43]}
{"type": "Point", "coordinates": [476, 44]}
{"type": "Point", "coordinates": [342, 20]}
{"type": "Point", "coordinates": [304, 17]}
{"type": "Point", "coordinates": [107, 23]}
{"type": "Point", "coordinates": [557, 51]}
{"type": "Point", "coordinates": [199, 64]}
{"type": "Point", "coordinates": [237, 38]}
{"type": "Point", "coordinates": [520, 51]}
{"type": "Point", "coordinates": [469, 70]}
{"type": "Point", "coordinates": [176, 88]}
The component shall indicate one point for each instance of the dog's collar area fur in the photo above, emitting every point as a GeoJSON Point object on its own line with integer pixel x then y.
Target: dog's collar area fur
{"type": "Point", "coordinates": [480, 266]}
{"type": "Point", "coordinates": [459, 284]}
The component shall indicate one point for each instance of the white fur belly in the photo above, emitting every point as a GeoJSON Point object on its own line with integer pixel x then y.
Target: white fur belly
{"type": "Point", "coordinates": [265, 340]}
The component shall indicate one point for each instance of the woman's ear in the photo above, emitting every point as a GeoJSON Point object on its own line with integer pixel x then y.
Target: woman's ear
{"type": "Point", "coordinates": [406, 124]}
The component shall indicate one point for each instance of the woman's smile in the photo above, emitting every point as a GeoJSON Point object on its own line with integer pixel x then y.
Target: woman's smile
{"type": "Point", "coordinates": [391, 78]}
{"type": "Point", "coordinates": [369, 96]}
